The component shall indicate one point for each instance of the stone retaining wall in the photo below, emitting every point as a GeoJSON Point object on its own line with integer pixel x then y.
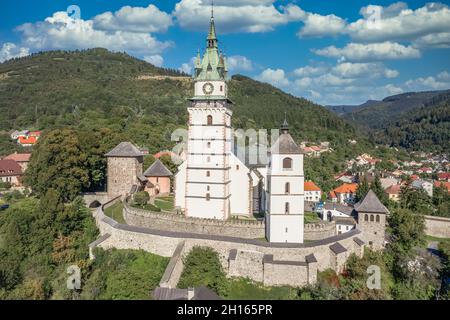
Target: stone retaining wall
{"type": "Point", "coordinates": [233, 228]}
{"type": "Point", "coordinates": [290, 265]}
{"type": "Point", "coordinates": [437, 226]}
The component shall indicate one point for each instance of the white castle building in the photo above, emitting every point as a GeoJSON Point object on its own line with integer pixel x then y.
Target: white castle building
{"type": "Point", "coordinates": [214, 183]}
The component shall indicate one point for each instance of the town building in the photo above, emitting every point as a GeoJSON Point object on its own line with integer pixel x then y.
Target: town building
{"type": "Point", "coordinates": [393, 192]}
{"type": "Point", "coordinates": [159, 179]}
{"type": "Point", "coordinates": [23, 159]}
{"type": "Point", "coordinates": [444, 176]}
{"type": "Point", "coordinates": [427, 186]}
{"type": "Point", "coordinates": [312, 192]}
{"type": "Point", "coordinates": [344, 194]}
{"type": "Point", "coordinates": [11, 172]}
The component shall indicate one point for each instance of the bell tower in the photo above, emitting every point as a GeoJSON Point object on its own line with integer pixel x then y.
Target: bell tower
{"type": "Point", "coordinates": [207, 192]}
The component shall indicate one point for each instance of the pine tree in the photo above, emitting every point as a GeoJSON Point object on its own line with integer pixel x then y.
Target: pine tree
{"type": "Point", "coordinates": [377, 187]}
{"type": "Point", "coordinates": [363, 189]}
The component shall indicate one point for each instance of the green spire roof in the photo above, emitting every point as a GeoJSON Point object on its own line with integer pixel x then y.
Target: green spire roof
{"type": "Point", "coordinates": [213, 65]}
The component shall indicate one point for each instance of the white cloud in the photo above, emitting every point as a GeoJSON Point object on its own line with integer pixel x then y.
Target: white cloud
{"type": "Point", "coordinates": [188, 67]}
{"type": "Point", "coordinates": [235, 16]}
{"type": "Point", "coordinates": [370, 52]}
{"type": "Point", "coordinates": [10, 51]}
{"type": "Point", "coordinates": [63, 32]}
{"type": "Point", "coordinates": [437, 40]}
{"type": "Point", "coordinates": [444, 76]}
{"type": "Point", "coordinates": [239, 63]}
{"type": "Point", "coordinates": [439, 82]}
{"type": "Point", "coordinates": [317, 25]}
{"type": "Point", "coordinates": [156, 60]}
{"type": "Point", "coordinates": [134, 19]}
{"type": "Point", "coordinates": [358, 70]}
{"type": "Point", "coordinates": [309, 71]}
{"type": "Point", "coordinates": [397, 22]}
{"type": "Point", "coordinates": [427, 25]}
{"type": "Point", "coordinates": [276, 77]}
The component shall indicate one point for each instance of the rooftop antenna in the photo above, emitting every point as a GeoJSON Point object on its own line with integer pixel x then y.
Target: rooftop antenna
{"type": "Point", "coordinates": [212, 9]}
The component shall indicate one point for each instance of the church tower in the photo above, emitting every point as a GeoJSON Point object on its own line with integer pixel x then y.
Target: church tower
{"type": "Point", "coordinates": [286, 200]}
{"type": "Point", "coordinates": [207, 192]}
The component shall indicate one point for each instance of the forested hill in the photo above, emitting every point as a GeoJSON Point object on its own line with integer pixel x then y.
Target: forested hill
{"type": "Point", "coordinates": [376, 114]}
{"type": "Point", "coordinates": [425, 129]}
{"type": "Point", "coordinates": [99, 89]}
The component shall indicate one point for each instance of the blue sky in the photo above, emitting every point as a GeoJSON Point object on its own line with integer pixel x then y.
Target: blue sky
{"type": "Point", "coordinates": [329, 51]}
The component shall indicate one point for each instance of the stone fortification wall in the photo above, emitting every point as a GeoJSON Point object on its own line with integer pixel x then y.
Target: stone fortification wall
{"type": "Point", "coordinates": [437, 227]}
{"type": "Point", "coordinates": [288, 264]}
{"type": "Point", "coordinates": [231, 228]}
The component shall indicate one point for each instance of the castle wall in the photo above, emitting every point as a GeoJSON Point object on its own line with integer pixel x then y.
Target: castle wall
{"type": "Point", "coordinates": [231, 228]}
{"type": "Point", "coordinates": [437, 226]}
{"type": "Point", "coordinates": [291, 266]}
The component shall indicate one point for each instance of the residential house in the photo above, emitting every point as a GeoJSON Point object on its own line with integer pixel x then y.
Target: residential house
{"type": "Point", "coordinates": [345, 194]}
{"type": "Point", "coordinates": [344, 224]}
{"type": "Point", "coordinates": [21, 158]}
{"type": "Point", "coordinates": [312, 192]}
{"type": "Point", "coordinates": [444, 176]}
{"type": "Point", "coordinates": [10, 171]}
{"type": "Point", "coordinates": [345, 177]}
{"type": "Point", "coordinates": [438, 184]}
{"type": "Point", "coordinates": [27, 141]}
{"type": "Point", "coordinates": [425, 185]}
{"type": "Point", "coordinates": [425, 170]}
{"type": "Point", "coordinates": [332, 210]}
{"type": "Point", "coordinates": [387, 182]}
{"type": "Point", "coordinates": [159, 179]}
{"type": "Point", "coordinates": [393, 192]}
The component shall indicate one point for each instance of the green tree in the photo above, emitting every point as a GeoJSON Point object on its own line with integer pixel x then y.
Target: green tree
{"type": "Point", "coordinates": [362, 190]}
{"type": "Point", "coordinates": [202, 267]}
{"type": "Point", "coordinates": [377, 187]}
{"type": "Point", "coordinates": [59, 163]}
{"type": "Point", "coordinates": [141, 198]}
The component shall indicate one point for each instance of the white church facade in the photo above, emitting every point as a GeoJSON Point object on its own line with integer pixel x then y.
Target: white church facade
{"type": "Point", "coordinates": [214, 183]}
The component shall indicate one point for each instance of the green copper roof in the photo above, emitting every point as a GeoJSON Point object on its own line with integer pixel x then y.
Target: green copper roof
{"type": "Point", "coordinates": [213, 65]}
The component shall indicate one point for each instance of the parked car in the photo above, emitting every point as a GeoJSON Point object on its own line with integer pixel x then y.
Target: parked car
{"type": "Point", "coordinates": [4, 207]}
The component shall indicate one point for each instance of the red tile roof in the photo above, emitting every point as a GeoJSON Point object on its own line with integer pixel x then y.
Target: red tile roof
{"type": "Point", "coordinates": [164, 153]}
{"type": "Point", "coordinates": [394, 189]}
{"type": "Point", "coordinates": [444, 176]}
{"type": "Point", "coordinates": [332, 195]}
{"type": "Point", "coordinates": [9, 168]}
{"type": "Point", "coordinates": [311, 186]}
{"type": "Point", "coordinates": [19, 157]}
{"type": "Point", "coordinates": [29, 140]}
{"type": "Point", "coordinates": [347, 188]}
{"type": "Point", "coordinates": [437, 184]}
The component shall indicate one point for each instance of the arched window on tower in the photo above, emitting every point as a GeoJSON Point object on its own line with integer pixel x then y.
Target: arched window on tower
{"type": "Point", "coordinates": [378, 218]}
{"type": "Point", "coordinates": [287, 163]}
{"type": "Point", "coordinates": [287, 188]}
{"type": "Point", "coordinates": [366, 218]}
{"type": "Point", "coordinates": [371, 218]}
{"type": "Point", "coordinates": [287, 209]}
{"type": "Point", "coordinates": [210, 120]}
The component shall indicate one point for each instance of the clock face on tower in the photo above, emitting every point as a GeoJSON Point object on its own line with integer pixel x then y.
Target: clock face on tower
{"type": "Point", "coordinates": [208, 88]}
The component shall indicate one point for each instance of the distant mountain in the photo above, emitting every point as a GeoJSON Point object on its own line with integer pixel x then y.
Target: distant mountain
{"type": "Point", "coordinates": [424, 129]}
{"type": "Point", "coordinates": [377, 114]}
{"type": "Point", "coordinates": [344, 109]}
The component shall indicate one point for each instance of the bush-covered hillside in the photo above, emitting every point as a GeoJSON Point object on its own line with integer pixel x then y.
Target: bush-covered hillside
{"type": "Point", "coordinates": [425, 129]}
{"type": "Point", "coordinates": [97, 88]}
